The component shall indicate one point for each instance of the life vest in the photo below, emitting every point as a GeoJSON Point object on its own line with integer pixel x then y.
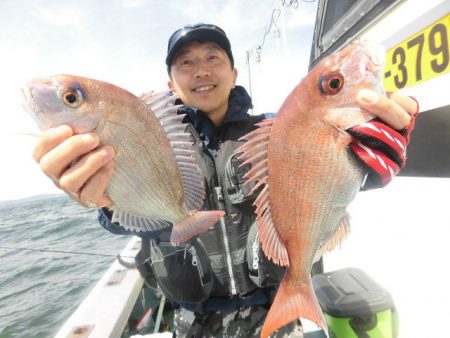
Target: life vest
{"type": "Point", "coordinates": [226, 260]}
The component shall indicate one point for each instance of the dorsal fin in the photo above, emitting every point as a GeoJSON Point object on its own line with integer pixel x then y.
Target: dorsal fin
{"type": "Point", "coordinates": [254, 151]}
{"type": "Point", "coordinates": [182, 144]}
{"type": "Point", "coordinates": [158, 100]}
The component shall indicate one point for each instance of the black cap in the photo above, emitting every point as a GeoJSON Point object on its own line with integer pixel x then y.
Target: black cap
{"type": "Point", "coordinates": [200, 32]}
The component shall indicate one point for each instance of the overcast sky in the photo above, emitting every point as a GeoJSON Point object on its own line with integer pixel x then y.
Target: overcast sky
{"type": "Point", "coordinates": [124, 42]}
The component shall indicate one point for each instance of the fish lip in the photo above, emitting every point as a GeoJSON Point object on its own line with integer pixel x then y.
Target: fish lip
{"type": "Point", "coordinates": [30, 105]}
{"type": "Point", "coordinates": [373, 68]}
{"type": "Point", "coordinates": [27, 100]}
{"type": "Point", "coordinates": [376, 55]}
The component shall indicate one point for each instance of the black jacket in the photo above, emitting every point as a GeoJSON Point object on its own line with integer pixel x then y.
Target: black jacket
{"type": "Point", "coordinates": [233, 263]}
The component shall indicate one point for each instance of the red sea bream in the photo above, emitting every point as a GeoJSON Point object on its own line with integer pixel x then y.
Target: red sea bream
{"type": "Point", "coordinates": [156, 179]}
{"type": "Point", "coordinates": [307, 175]}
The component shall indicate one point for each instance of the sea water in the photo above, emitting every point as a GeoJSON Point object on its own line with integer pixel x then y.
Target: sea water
{"type": "Point", "coordinates": [39, 289]}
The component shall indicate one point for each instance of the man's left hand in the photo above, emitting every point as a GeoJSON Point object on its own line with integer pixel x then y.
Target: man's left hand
{"type": "Point", "coordinates": [381, 143]}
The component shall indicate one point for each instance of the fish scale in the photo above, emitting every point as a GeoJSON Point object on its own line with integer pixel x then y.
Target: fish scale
{"type": "Point", "coordinates": [139, 174]}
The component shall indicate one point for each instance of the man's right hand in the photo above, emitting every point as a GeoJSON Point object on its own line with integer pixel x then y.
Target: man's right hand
{"type": "Point", "coordinates": [77, 164]}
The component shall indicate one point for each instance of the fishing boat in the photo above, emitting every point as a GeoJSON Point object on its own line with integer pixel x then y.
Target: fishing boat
{"type": "Point", "coordinates": [122, 305]}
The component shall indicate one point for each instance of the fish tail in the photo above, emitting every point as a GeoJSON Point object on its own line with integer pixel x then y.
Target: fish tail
{"type": "Point", "coordinates": [292, 302]}
{"type": "Point", "coordinates": [193, 225]}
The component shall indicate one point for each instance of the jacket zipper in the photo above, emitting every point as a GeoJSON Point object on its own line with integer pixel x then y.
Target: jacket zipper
{"type": "Point", "coordinates": [220, 198]}
{"type": "Point", "coordinates": [226, 244]}
{"type": "Point", "coordinates": [195, 261]}
{"type": "Point", "coordinates": [222, 222]}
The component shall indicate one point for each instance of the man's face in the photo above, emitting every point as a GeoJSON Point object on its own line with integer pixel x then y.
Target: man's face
{"type": "Point", "coordinates": [202, 76]}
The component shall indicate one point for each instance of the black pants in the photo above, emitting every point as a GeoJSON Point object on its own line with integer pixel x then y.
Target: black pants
{"type": "Point", "coordinates": [245, 322]}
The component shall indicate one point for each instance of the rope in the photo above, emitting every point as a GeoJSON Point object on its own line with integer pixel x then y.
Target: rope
{"type": "Point", "coordinates": [272, 25]}
{"type": "Point", "coordinates": [61, 251]}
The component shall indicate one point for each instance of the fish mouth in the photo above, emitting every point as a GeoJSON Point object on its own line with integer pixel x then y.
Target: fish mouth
{"type": "Point", "coordinates": [30, 105]}
{"type": "Point", "coordinates": [27, 100]}
{"type": "Point", "coordinates": [376, 55]}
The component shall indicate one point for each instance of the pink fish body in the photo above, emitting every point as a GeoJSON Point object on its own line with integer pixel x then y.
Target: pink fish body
{"type": "Point", "coordinates": [156, 179]}
{"type": "Point", "coordinates": [308, 176]}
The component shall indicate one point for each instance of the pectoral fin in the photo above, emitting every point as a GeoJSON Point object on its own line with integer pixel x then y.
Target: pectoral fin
{"type": "Point", "coordinates": [195, 224]}
{"type": "Point", "coordinates": [336, 239]}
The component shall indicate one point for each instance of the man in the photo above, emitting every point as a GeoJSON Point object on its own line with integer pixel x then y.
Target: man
{"type": "Point", "coordinates": [228, 288]}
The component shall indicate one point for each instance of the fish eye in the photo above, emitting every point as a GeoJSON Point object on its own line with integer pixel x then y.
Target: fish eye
{"type": "Point", "coordinates": [72, 97]}
{"type": "Point", "coordinates": [332, 83]}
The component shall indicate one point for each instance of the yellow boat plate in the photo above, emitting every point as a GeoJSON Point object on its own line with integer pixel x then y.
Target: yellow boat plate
{"type": "Point", "coordinates": [419, 58]}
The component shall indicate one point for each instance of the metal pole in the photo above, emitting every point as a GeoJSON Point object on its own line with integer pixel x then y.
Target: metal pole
{"type": "Point", "coordinates": [159, 315]}
{"type": "Point", "coordinates": [249, 77]}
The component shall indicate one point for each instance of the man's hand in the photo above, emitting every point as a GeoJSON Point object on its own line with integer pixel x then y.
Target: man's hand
{"type": "Point", "coordinates": [393, 109]}
{"type": "Point", "coordinates": [77, 164]}
{"type": "Point", "coordinates": [381, 143]}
